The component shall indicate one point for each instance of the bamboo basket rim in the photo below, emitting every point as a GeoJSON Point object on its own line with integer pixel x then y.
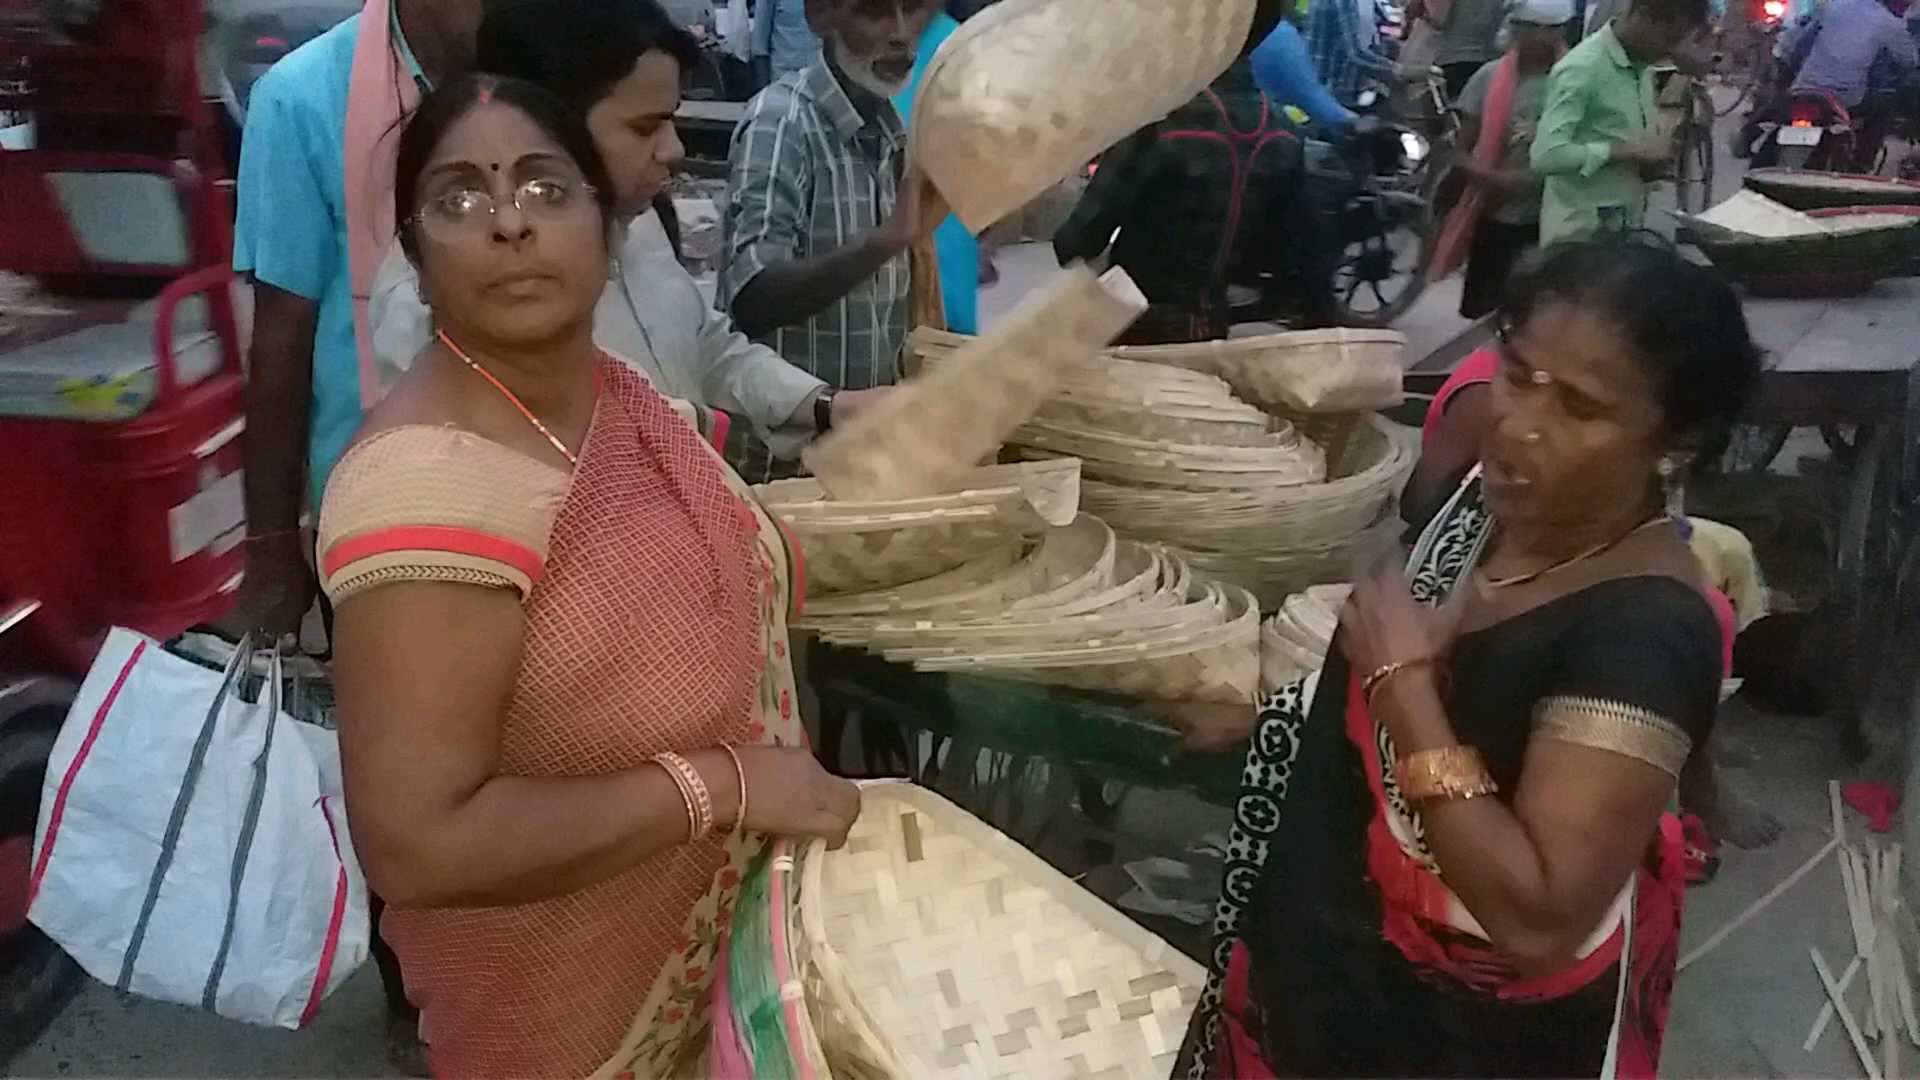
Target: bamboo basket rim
{"type": "Point", "coordinates": [1133, 585]}
{"type": "Point", "coordinates": [1189, 354]}
{"type": "Point", "coordinates": [1394, 459]}
{"type": "Point", "coordinates": [1020, 862]}
{"type": "Point", "coordinates": [990, 640]}
{"type": "Point", "coordinates": [1234, 416]}
{"type": "Point", "coordinates": [1101, 449]}
{"type": "Point", "coordinates": [1241, 617]}
{"type": "Point", "coordinates": [860, 609]}
{"type": "Point", "coordinates": [1295, 653]}
{"type": "Point", "coordinates": [835, 525]}
{"type": "Point", "coordinates": [1040, 483]}
{"type": "Point", "coordinates": [962, 580]}
{"type": "Point", "coordinates": [1083, 582]}
{"type": "Point", "coordinates": [1193, 479]}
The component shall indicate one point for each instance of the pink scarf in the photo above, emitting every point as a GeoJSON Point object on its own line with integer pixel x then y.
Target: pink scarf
{"type": "Point", "coordinates": [380, 92]}
{"type": "Point", "coordinates": [1456, 234]}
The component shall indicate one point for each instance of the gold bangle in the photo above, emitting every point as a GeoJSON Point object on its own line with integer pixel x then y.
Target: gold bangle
{"type": "Point", "coordinates": [1449, 772]}
{"type": "Point", "coordinates": [693, 789]}
{"type": "Point", "coordinates": [739, 772]}
{"type": "Point", "coordinates": [1373, 682]}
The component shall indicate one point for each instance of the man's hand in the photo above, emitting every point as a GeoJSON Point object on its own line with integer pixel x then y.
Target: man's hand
{"type": "Point", "coordinates": [918, 211]}
{"type": "Point", "coordinates": [1651, 150]}
{"type": "Point", "coordinates": [276, 593]}
{"type": "Point", "coordinates": [848, 404]}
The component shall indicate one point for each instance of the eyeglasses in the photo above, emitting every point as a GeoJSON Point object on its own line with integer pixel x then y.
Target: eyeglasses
{"type": "Point", "coordinates": [464, 212]}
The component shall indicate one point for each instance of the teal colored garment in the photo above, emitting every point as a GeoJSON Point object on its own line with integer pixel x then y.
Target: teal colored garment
{"type": "Point", "coordinates": [290, 229]}
{"type": "Point", "coordinates": [957, 250]}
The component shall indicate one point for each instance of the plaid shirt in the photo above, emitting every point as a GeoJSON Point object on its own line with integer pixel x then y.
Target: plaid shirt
{"type": "Point", "coordinates": [809, 175]}
{"type": "Point", "coordinates": [1333, 40]}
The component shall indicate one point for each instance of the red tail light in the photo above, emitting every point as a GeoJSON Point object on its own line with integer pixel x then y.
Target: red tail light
{"type": "Point", "coordinates": [1774, 10]}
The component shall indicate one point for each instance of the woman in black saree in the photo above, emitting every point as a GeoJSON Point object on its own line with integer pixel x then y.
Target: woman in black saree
{"type": "Point", "coordinates": [1450, 855]}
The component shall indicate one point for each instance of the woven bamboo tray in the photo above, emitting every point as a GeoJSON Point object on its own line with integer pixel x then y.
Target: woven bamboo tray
{"type": "Point", "coordinates": [1272, 577]}
{"type": "Point", "coordinates": [959, 953]}
{"type": "Point", "coordinates": [1068, 563]}
{"type": "Point", "coordinates": [1138, 573]}
{"type": "Point", "coordinates": [1805, 189]}
{"type": "Point", "coordinates": [1281, 660]}
{"type": "Point", "coordinates": [927, 436]}
{"type": "Point", "coordinates": [1365, 474]}
{"type": "Point", "coordinates": [1137, 614]}
{"type": "Point", "coordinates": [986, 576]}
{"type": "Point", "coordinates": [1051, 489]}
{"type": "Point", "coordinates": [1862, 245]}
{"type": "Point", "coordinates": [1169, 423]}
{"type": "Point", "coordinates": [1133, 623]}
{"type": "Point", "coordinates": [1280, 450]}
{"type": "Point", "coordinates": [1217, 663]}
{"type": "Point", "coordinates": [862, 546]}
{"type": "Point", "coordinates": [1338, 370]}
{"type": "Point", "coordinates": [1027, 92]}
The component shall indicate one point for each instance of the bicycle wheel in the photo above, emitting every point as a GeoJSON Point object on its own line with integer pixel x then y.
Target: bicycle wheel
{"type": "Point", "coordinates": [1693, 168]}
{"type": "Point", "coordinates": [1382, 270]}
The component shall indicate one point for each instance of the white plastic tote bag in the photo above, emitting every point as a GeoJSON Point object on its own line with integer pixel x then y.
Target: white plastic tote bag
{"type": "Point", "coordinates": [192, 846]}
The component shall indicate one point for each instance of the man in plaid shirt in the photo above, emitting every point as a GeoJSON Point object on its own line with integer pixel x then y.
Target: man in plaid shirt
{"type": "Point", "coordinates": [821, 211]}
{"type": "Point", "coordinates": [1345, 45]}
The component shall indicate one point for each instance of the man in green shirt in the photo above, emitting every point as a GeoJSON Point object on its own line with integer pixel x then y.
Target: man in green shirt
{"type": "Point", "coordinates": [1597, 141]}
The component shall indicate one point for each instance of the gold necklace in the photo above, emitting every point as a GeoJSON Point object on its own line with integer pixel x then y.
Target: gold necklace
{"type": "Point", "coordinates": [1598, 549]}
{"type": "Point", "coordinates": [511, 397]}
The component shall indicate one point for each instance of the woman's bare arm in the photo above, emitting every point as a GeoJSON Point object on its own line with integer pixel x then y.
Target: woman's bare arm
{"type": "Point", "coordinates": [424, 673]}
{"type": "Point", "coordinates": [1540, 876]}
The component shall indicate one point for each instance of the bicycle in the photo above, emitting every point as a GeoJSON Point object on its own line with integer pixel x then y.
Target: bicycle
{"type": "Point", "coordinates": [1692, 168]}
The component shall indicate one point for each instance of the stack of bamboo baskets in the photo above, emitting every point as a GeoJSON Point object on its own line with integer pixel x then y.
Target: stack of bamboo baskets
{"type": "Point", "coordinates": [1208, 450]}
{"type": "Point", "coordinates": [1295, 640]}
{"type": "Point", "coordinates": [1073, 606]}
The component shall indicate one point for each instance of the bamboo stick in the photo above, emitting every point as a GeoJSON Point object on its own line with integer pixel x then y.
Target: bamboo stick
{"type": "Point", "coordinates": [1875, 1022]}
{"type": "Point", "coordinates": [1825, 1017]}
{"type": "Point", "coordinates": [1839, 1001]}
{"type": "Point", "coordinates": [1758, 906]}
{"type": "Point", "coordinates": [1902, 985]}
{"type": "Point", "coordinates": [1839, 819]}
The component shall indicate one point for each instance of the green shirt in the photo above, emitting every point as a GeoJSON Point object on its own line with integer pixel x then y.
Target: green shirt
{"type": "Point", "coordinates": [1596, 97]}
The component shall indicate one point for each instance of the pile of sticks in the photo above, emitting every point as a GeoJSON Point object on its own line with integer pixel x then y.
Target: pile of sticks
{"type": "Point", "coordinates": [1884, 935]}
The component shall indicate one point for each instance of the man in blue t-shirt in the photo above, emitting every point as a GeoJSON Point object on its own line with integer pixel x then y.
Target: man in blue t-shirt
{"type": "Point", "coordinates": [290, 239]}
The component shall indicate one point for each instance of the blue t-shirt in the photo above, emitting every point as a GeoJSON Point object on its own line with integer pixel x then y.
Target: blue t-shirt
{"type": "Point", "coordinates": [1284, 69]}
{"type": "Point", "coordinates": [290, 231]}
{"type": "Point", "coordinates": [958, 252]}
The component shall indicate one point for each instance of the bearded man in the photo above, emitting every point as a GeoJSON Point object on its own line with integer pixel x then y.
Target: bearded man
{"type": "Point", "coordinates": [822, 207]}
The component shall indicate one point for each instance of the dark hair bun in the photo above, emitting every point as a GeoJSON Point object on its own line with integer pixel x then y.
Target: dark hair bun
{"type": "Point", "coordinates": [1685, 323]}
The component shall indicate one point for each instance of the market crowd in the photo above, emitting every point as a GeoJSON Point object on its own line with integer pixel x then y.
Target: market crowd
{"type": "Point", "coordinates": [523, 437]}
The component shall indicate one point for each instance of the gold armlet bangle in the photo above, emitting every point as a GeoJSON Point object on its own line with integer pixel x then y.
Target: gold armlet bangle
{"type": "Point", "coordinates": [1449, 772]}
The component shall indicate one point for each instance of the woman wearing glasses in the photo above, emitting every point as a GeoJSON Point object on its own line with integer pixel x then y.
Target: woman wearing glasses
{"type": "Point", "coordinates": [566, 708]}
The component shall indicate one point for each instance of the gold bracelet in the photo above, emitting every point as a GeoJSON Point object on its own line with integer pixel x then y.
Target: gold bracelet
{"type": "Point", "coordinates": [740, 772]}
{"type": "Point", "coordinates": [693, 789]}
{"type": "Point", "coordinates": [1373, 682]}
{"type": "Point", "coordinates": [1449, 772]}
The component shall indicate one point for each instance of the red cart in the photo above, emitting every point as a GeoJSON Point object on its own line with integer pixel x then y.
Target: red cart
{"type": "Point", "coordinates": [120, 391]}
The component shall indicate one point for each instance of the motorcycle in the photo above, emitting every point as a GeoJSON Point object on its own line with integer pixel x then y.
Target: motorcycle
{"type": "Point", "coordinates": [1817, 132]}
{"type": "Point", "coordinates": [1354, 249]}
